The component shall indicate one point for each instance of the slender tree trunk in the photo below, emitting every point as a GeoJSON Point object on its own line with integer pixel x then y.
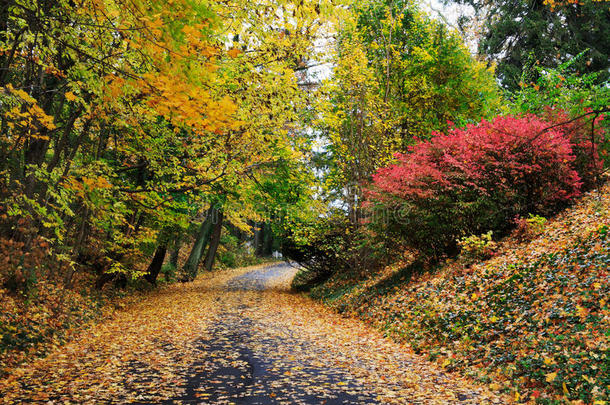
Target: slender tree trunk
{"type": "Point", "coordinates": [173, 258]}
{"type": "Point", "coordinates": [103, 279]}
{"type": "Point", "coordinates": [83, 232]}
{"type": "Point", "coordinates": [64, 139]}
{"type": "Point", "coordinates": [155, 265]}
{"type": "Point", "coordinates": [203, 235]}
{"type": "Point", "coordinates": [267, 240]}
{"type": "Point", "coordinates": [34, 154]}
{"type": "Point", "coordinates": [7, 58]}
{"type": "Point", "coordinates": [214, 242]}
{"type": "Point", "coordinates": [213, 215]}
{"type": "Point", "coordinates": [258, 231]}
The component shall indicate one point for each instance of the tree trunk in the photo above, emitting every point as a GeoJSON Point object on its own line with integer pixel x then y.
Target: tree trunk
{"type": "Point", "coordinates": [64, 139]}
{"type": "Point", "coordinates": [213, 215]}
{"type": "Point", "coordinates": [214, 242]}
{"type": "Point", "coordinates": [258, 233]}
{"type": "Point", "coordinates": [173, 258]}
{"type": "Point", "coordinates": [203, 235]}
{"type": "Point", "coordinates": [267, 240]}
{"type": "Point", "coordinates": [155, 265]}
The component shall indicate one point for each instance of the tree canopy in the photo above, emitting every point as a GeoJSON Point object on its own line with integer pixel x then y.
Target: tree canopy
{"type": "Point", "coordinates": [122, 119]}
{"type": "Point", "coordinates": [399, 75]}
{"type": "Point", "coordinates": [519, 34]}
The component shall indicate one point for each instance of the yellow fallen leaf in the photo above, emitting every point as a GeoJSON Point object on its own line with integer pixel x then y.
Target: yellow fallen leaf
{"type": "Point", "coordinates": [550, 377]}
{"type": "Point", "coordinates": [565, 389]}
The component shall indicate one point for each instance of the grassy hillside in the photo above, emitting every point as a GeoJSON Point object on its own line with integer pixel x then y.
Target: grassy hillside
{"type": "Point", "coordinates": [533, 320]}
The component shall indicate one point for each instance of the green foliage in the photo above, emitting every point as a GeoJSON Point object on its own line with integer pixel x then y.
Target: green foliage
{"type": "Point", "coordinates": [543, 87]}
{"type": "Point", "coordinates": [169, 272]}
{"type": "Point", "coordinates": [424, 70]}
{"type": "Point", "coordinates": [229, 246]}
{"type": "Point", "coordinates": [529, 320]}
{"type": "Point", "coordinates": [577, 104]}
{"type": "Point", "coordinates": [322, 249]}
{"type": "Point", "coordinates": [518, 33]}
{"type": "Point", "coordinates": [399, 75]}
{"type": "Point", "coordinates": [334, 245]}
{"type": "Point", "coordinates": [536, 223]}
{"type": "Point", "coordinates": [477, 248]}
{"type": "Point", "coordinates": [234, 253]}
{"type": "Point", "coordinates": [530, 227]}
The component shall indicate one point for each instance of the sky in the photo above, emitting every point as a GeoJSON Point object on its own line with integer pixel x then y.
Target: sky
{"type": "Point", "coordinates": [450, 12]}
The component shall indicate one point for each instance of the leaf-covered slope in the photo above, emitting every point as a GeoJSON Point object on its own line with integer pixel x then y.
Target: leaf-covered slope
{"type": "Point", "coordinates": [533, 320]}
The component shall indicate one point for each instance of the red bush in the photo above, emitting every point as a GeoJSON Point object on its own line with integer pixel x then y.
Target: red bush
{"type": "Point", "coordinates": [476, 179]}
{"type": "Point", "coordinates": [586, 135]}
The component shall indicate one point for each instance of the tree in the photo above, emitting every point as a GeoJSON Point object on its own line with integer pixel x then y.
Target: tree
{"type": "Point", "coordinates": [201, 241]}
{"type": "Point", "coordinates": [399, 75]}
{"type": "Point", "coordinates": [518, 34]}
{"type": "Point", "coordinates": [118, 118]}
{"type": "Point", "coordinates": [214, 242]}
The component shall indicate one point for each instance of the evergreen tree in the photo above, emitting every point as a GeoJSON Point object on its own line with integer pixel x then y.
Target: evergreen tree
{"type": "Point", "coordinates": [520, 33]}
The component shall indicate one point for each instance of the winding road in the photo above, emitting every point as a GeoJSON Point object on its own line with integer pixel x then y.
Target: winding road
{"type": "Point", "coordinates": [237, 337]}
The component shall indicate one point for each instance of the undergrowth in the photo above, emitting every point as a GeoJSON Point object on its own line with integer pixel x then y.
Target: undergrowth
{"type": "Point", "coordinates": [533, 320]}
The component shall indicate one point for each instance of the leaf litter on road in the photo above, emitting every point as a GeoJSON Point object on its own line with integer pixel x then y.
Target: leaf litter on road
{"type": "Point", "coordinates": [236, 336]}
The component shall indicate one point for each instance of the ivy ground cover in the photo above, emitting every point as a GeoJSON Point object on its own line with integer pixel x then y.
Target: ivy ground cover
{"type": "Point", "coordinates": [532, 321]}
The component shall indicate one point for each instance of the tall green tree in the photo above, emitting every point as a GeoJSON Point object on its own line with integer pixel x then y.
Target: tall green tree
{"type": "Point", "coordinates": [399, 75]}
{"type": "Point", "coordinates": [520, 33]}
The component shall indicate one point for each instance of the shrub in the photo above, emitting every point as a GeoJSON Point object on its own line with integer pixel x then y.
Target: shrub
{"type": "Point", "coordinates": [169, 272]}
{"type": "Point", "coordinates": [335, 245]}
{"type": "Point", "coordinates": [586, 137]}
{"type": "Point", "coordinates": [227, 256]}
{"type": "Point", "coordinates": [528, 228]}
{"type": "Point", "coordinates": [477, 248]}
{"type": "Point", "coordinates": [475, 179]}
{"type": "Point", "coordinates": [233, 253]}
{"type": "Point", "coordinates": [36, 310]}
